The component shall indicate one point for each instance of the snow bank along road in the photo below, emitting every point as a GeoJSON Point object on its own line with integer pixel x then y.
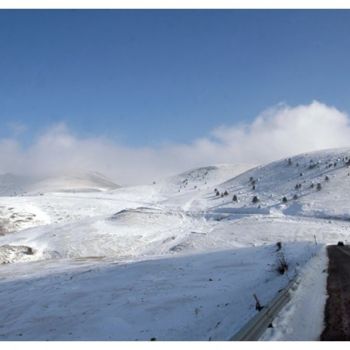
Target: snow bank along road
{"type": "Point", "coordinates": [176, 260]}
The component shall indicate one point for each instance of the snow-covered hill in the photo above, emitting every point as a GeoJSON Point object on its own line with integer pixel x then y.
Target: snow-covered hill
{"type": "Point", "coordinates": [313, 184]}
{"type": "Point", "coordinates": [13, 185]}
{"type": "Point", "coordinates": [201, 178]}
{"type": "Point", "coordinates": [179, 259]}
{"type": "Point", "coordinates": [73, 198]}
{"type": "Point", "coordinates": [183, 190]}
{"type": "Point", "coordinates": [89, 182]}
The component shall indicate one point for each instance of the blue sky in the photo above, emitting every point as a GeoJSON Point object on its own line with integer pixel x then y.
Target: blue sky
{"type": "Point", "coordinates": [145, 78]}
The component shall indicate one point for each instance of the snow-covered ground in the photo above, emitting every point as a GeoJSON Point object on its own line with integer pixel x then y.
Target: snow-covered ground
{"type": "Point", "coordinates": [173, 260]}
{"type": "Point", "coordinates": [309, 299]}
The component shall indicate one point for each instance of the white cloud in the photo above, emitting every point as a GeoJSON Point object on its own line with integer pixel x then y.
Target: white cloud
{"type": "Point", "coordinates": [278, 132]}
{"type": "Point", "coordinates": [283, 131]}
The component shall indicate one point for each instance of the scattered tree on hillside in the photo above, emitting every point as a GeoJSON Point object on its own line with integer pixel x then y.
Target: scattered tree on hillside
{"type": "Point", "coordinates": [326, 178]}
{"type": "Point", "coordinates": [301, 174]}
{"type": "Point", "coordinates": [295, 197]}
{"type": "Point", "coordinates": [289, 161]}
{"type": "Point", "coordinates": [284, 200]}
{"type": "Point", "coordinates": [253, 188]}
{"type": "Point", "coordinates": [312, 185]}
{"type": "Point", "coordinates": [319, 187]}
{"type": "Point", "coordinates": [255, 199]}
{"type": "Point", "coordinates": [225, 193]}
{"type": "Point", "coordinates": [282, 266]}
{"type": "Point", "coordinates": [235, 199]}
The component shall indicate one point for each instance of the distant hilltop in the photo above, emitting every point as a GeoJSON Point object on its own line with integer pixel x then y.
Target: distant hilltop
{"type": "Point", "coordinates": [13, 185]}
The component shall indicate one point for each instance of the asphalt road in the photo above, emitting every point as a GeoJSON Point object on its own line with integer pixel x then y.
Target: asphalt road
{"type": "Point", "coordinates": [337, 312]}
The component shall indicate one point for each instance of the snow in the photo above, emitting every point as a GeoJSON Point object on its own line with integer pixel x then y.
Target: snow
{"type": "Point", "coordinates": [278, 179]}
{"type": "Point", "coordinates": [89, 182]}
{"type": "Point", "coordinates": [20, 214]}
{"type": "Point", "coordinates": [170, 260]}
{"type": "Point", "coordinates": [12, 185]}
{"type": "Point", "coordinates": [192, 297]}
{"type": "Point", "coordinates": [309, 299]}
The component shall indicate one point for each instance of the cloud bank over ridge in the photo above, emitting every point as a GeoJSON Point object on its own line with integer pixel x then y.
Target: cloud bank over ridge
{"type": "Point", "coordinates": [278, 132]}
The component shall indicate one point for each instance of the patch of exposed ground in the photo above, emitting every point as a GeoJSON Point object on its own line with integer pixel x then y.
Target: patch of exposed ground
{"type": "Point", "coordinates": [12, 253]}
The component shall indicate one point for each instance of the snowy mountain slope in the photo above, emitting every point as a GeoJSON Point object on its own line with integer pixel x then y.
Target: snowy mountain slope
{"type": "Point", "coordinates": [296, 180]}
{"type": "Point", "coordinates": [149, 260]}
{"type": "Point", "coordinates": [200, 178]}
{"type": "Point", "coordinates": [89, 182]}
{"type": "Point", "coordinates": [117, 236]}
{"type": "Point", "coordinates": [28, 207]}
{"type": "Point", "coordinates": [147, 224]}
{"type": "Point", "coordinates": [145, 232]}
{"type": "Point", "coordinates": [13, 185]}
{"type": "Point", "coordinates": [17, 213]}
{"type": "Point", "coordinates": [75, 201]}
{"type": "Point", "coordinates": [182, 191]}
